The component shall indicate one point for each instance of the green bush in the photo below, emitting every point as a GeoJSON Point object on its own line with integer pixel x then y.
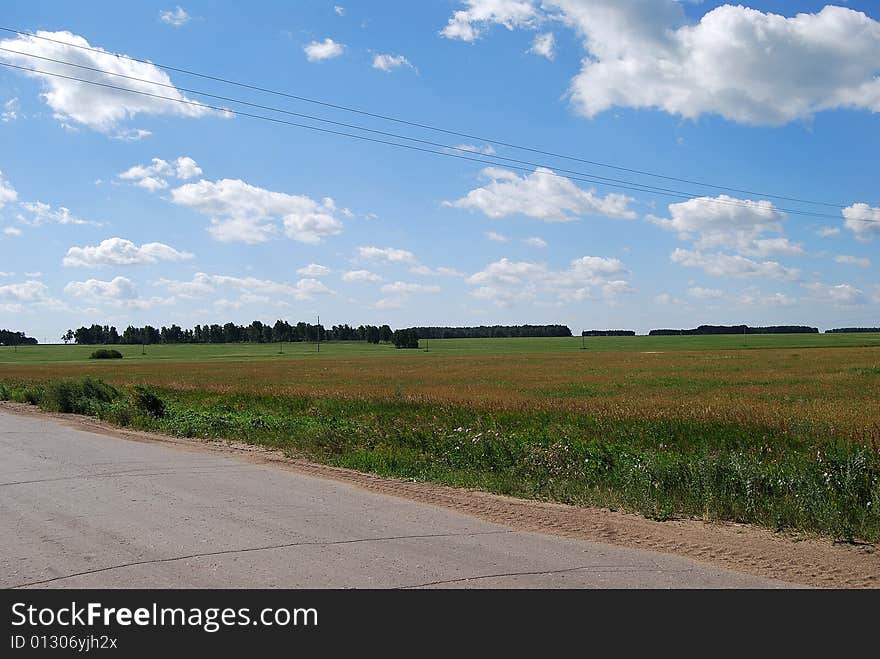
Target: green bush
{"type": "Point", "coordinates": [84, 396]}
{"type": "Point", "coordinates": [146, 402]}
{"type": "Point", "coordinates": [106, 353]}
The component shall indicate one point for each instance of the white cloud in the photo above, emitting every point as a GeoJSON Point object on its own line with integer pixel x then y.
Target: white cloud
{"type": "Point", "coordinates": [119, 288]}
{"type": "Point", "coordinates": [41, 214]}
{"type": "Point", "coordinates": [434, 272]}
{"type": "Point", "coordinates": [862, 220]}
{"type": "Point", "coordinates": [542, 195]}
{"type": "Point", "coordinates": [26, 291]}
{"type": "Point", "coordinates": [7, 274]}
{"type": "Point", "coordinates": [507, 282]}
{"type": "Point", "coordinates": [340, 11]}
{"type": "Point", "coordinates": [486, 150]}
{"type": "Point", "coordinates": [736, 266]}
{"type": "Point", "coordinates": [470, 23]}
{"type": "Point", "coordinates": [842, 295]}
{"type": "Point", "coordinates": [745, 65]}
{"type": "Point", "coordinates": [387, 255]}
{"type": "Point", "coordinates": [360, 276]}
{"type": "Point", "coordinates": [753, 298]}
{"type": "Point", "coordinates": [203, 284]}
{"type": "Point", "coordinates": [9, 111]}
{"type": "Point", "coordinates": [705, 293]}
{"type": "Point", "coordinates": [318, 51]}
{"type": "Point", "coordinates": [7, 192]}
{"type": "Point", "coordinates": [862, 262]}
{"type": "Point", "coordinates": [666, 299]}
{"type": "Point", "coordinates": [728, 223]}
{"type": "Point", "coordinates": [544, 45]}
{"type": "Point", "coordinates": [825, 232]}
{"type": "Point", "coordinates": [153, 176]}
{"type": "Point", "coordinates": [388, 63]}
{"type": "Point", "coordinates": [535, 241]}
{"type": "Point", "coordinates": [118, 251]}
{"type": "Point", "coordinates": [245, 213]}
{"type": "Point", "coordinates": [313, 270]}
{"type": "Point", "coordinates": [496, 237]}
{"type": "Point", "coordinates": [176, 17]}
{"type": "Point", "coordinates": [12, 231]}
{"type": "Point", "coordinates": [99, 108]}
{"type": "Point", "coordinates": [404, 288]}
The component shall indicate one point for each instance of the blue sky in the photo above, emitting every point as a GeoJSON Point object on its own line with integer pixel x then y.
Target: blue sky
{"type": "Point", "coordinates": [118, 208]}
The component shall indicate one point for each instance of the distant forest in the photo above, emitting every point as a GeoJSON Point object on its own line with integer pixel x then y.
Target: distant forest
{"type": "Point", "coordinates": [258, 332]}
{"type": "Point", "coordinates": [10, 338]}
{"type": "Point", "coordinates": [852, 330]}
{"type": "Point", "coordinates": [736, 329]}
{"type": "Point", "coordinates": [608, 333]}
{"type": "Point", "coordinates": [491, 331]}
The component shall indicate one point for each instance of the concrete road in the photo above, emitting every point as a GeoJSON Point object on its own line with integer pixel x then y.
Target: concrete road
{"type": "Point", "coordinates": [79, 509]}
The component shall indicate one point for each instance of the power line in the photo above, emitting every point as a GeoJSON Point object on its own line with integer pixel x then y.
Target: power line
{"type": "Point", "coordinates": [485, 160]}
{"type": "Point", "coordinates": [415, 124]}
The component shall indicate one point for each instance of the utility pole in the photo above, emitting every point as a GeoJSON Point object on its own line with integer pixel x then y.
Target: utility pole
{"type": "Point", "coordinates": [318, 333]}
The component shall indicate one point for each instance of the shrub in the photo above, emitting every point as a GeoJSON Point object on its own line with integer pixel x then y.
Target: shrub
{"type": "Point", "coordinates": [146, 402]}
{"type": "Point", "coordinates": [106, 353]}
{"type": "Point", "coordinates": [77, 396]}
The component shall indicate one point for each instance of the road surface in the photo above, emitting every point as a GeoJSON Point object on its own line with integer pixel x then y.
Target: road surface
{"type": "Point", "coordinates": [88, 510]}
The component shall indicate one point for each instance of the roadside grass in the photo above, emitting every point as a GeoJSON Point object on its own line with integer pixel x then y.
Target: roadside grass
{"type": "Point", "coordinates": [797, 477]}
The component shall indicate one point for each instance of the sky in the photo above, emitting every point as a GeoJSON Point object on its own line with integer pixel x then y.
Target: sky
{"type": "Point", "coordinates": [685, 163]}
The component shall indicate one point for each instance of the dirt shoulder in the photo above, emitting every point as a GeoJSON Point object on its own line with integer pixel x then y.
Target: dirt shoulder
{"type": "Point", "coordinates": [796, 559]}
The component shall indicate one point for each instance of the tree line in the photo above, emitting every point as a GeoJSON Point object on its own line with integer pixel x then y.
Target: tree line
{"type": "Point", "coordinates": [256, 332]}
{"type": "Point", "coordinates": [736, 329]}
{"type": "Point", "coordinates": [853, 330]}
{"type": "Point", "coordinates": [491, 331]}
{"type": "Point", "coordinates": [10, 338]}
{"type": "Point", "coordinates": [608, 333]}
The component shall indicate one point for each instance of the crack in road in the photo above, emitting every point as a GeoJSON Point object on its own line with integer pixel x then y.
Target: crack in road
{"type": "Point", "coordinates": [208, 469]}
{"type": "Point", "coordinates": [311, 543]}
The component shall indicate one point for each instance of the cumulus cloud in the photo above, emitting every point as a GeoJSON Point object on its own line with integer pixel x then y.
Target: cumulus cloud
{"type": "Point", "coordinates": [40, 213]}
{"type": "Point", "coordinates": [387, 255]}
{"type": "Point", "coordinates": [507, 282]}
{"type": "Point", "coordinates": [841, 295]}
{"type": "Point", "coordinates": [470, 23]}
{"type": "Point", "coordinates": [736, 266]}
{"type": "Point", "coordinates": [361, 276]}
{"type": "Point", "coordinates": [725, 222]}
{"type": "Point", "coordinates": [12, 231]}
{"type": "Point", "coordinates": [318, 51]}
{"type": "Point", "coordinates": [826, 232]}
{"type": "Point", "coordinates": [496, 237]}
{"type": "Point", "coordinates": [403, 288]}
{"type": "Point", "coordinates": [241, 212]}
{"type": "Point", "coordinates": [7, 192]}
{"type": "Point", "coordinates": [26, 291]}
{"type": "Point", "coordinates": [544, 45]}
{"type": "Point", "coordinates": [177, 17]}
{"type": "Point", "coordinates": [535, 241]}
{"type": "Point", "coordinates": [542, 195]}
{"type": "Point", "coordinates": [118, 288]}
{"type": "Point", "coordinates": [862, 220]}
{"type": "Point", "coordinates": [99, 108]}
{"type": "Point", "coordinates": [388, 63]}
{"type": "Point", "coordinates": [745, 65]}
{"type": "Point", "coordinates": [154, 176]}
{"type": "Point", "coordinates": [118, 251]}
{"type": "Point", "coordinates": [313, 270]}
{"type": "Point", "coordinates": [203, 284]}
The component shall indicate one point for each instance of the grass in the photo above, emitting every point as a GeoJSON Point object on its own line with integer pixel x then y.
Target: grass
{"type": "Point", "coordinates": [660, 467]}
{"type": "Point", "coordinates": [787, 436]}
{"type": "Point", "coordinates": [436, 348]}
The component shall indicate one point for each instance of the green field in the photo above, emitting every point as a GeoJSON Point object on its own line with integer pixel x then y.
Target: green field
{"type": "Point", "coordinates": [777, 430]}
{"type": "Point", "coordinates": [347, 350]}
